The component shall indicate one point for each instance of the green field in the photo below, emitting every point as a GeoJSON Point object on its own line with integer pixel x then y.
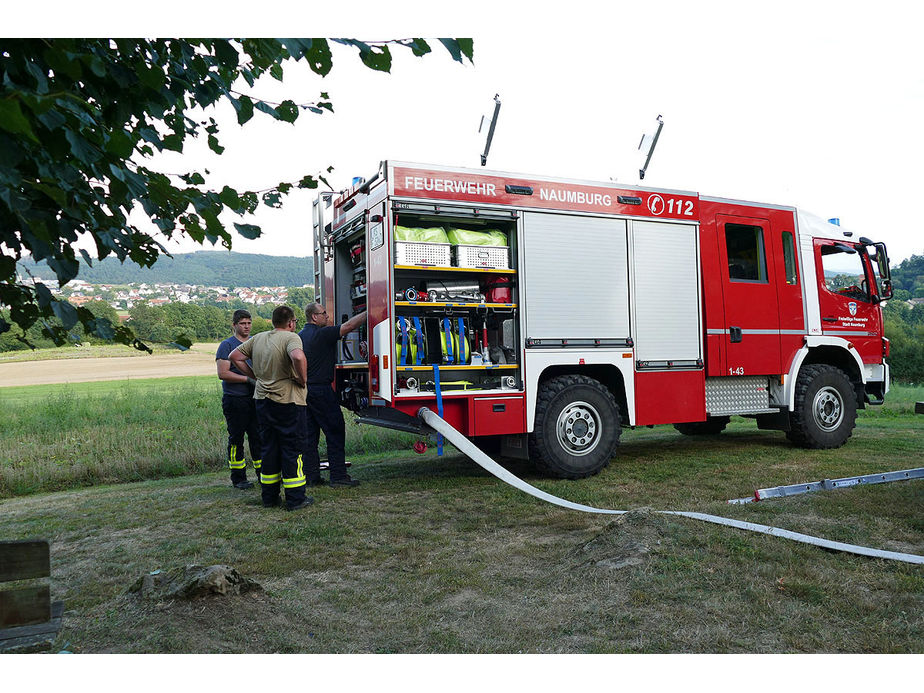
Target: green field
{"type": "Point", "coordinates": [435, 555]}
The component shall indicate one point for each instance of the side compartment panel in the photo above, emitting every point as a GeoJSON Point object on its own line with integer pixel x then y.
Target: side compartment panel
{"type": "Point", "coordinates": [665, 292]}
{"type": "Point", "coordinates": [575, 277]}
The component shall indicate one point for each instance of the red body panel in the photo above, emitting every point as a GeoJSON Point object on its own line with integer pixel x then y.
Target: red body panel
{"type": "Point", "coordinates": [485, 189]}
{"type": "Point", "coordinates": [670, 397]}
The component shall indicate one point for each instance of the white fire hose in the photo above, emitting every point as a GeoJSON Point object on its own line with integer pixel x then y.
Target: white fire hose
{"type": "Point", "coordinates": [464, 445]}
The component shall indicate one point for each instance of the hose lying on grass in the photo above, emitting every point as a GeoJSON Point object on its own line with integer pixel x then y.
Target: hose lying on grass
{"type": "Point", "coordinates": [467, 447]}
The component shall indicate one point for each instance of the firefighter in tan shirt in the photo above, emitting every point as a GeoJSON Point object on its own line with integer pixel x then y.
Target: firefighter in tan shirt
{"type": "Point", "coordinates": [279, 366]}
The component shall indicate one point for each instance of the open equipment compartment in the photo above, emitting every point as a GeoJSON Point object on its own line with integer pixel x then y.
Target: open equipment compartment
{"type": "Point", "coordinates": [455, 304]}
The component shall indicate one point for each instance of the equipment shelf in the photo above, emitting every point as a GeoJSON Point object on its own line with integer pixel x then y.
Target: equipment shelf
{"type": "Point", "coordinates": [460, 367]}
{"type": "Point", "coordinates": [441, 304]}
{"type": "Point", "coordinates": [437, 268]}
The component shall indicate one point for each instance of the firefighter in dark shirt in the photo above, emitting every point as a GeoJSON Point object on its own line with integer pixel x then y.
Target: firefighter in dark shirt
{"type": "Point", "coordinates": [238, 405]}
{"type": "Point", "coordinates": [319, 342]}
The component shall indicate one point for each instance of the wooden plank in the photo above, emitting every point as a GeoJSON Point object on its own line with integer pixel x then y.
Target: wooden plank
{"type": "Point", "coordinates": [33, 638]}
{"type": "Point", "coordinates": [25, 606]}
{"type": "Point", "coordinates": [23, 560]}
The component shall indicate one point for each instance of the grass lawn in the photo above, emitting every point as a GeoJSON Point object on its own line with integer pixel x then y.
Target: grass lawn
{"type": "Point", "coordinates": [435, 555]}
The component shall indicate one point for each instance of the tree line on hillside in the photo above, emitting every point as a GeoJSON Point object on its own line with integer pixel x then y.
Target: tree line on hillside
{"type": "Point", "coordinates": [210, 322]}
{"type": "Point", "coordinates": [203, 268]}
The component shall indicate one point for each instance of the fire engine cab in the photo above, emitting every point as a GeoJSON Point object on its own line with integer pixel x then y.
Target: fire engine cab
{"type": "Point", "coordinates": [539, 316]}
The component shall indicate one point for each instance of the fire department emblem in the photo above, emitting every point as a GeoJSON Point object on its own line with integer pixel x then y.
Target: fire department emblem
{"type": "Point", "coordinates": [852, 307]}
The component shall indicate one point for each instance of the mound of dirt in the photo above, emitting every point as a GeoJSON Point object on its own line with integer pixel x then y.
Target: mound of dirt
{"type": "Point", "coordinates": [626, 541]}
{"type": "Point", "coordinates": [192, 581]}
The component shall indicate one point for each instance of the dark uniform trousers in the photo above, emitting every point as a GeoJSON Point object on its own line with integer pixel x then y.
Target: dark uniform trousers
{"type": "Point", "coordinates": [324, 414]}
{"type": "Point", "coordinates": [282, 428]}
{"type": "Point", "coordinates": [241, 417]}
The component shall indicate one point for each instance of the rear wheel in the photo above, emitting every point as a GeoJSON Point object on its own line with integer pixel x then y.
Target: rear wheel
{"type": "Point", "coordinates": [825, 410]}
{"type": "Point", "coordinates": [710, 427]}
{"type": "Point", "coordinates": [577, 427]}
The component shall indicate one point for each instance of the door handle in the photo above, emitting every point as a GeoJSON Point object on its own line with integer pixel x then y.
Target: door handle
{"type": "Point", "coordinates": [734, 335]}
{"type": "Point", "coordinates": [829, 319]}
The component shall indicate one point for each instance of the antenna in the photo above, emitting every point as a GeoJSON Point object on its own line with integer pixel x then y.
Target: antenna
{"type": "Point", "coordinates": [649, 141]}
{"type": "Point", "coordinates": [487, 145]}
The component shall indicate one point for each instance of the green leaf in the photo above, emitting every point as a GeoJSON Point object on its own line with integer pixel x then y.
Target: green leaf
{"type": "Point", "coordinates": [266, 108]}
{"type": "Point", "coordinates": [248, 231]}
{"type": "Point", "coordinates": [287, 111]}
{"type": "Point", "coordinates": [181, 343]}
{"type": "Point", "coordinates": [244, 108]}
{"type": "Point", "coordinates": [227, 54]}
{"type": "Point", "coordinates": [375, 57]}
{"type": "Point", "coordinates": [65, 312]}
{"type": "Point", "coordinates": [276, 71]}
{"type": "Point", "coordinates": [419, 47]}
{"type": "Point", "coordinates": [230, 198]}
{"type": "Point", "coordinates": [43, 295]}
{"type": "Point", "coordinates": [12, 119]}
{"type": "Point", "coordinates": [214, 146]}
{"type": "Point", "coordinates": [120, 143]}
{"type": "Point", "coordinates": [308, 182]}
{"type": "Point", "coordinates": [54, 193]}
{"type": "Point", "coordinates": [81, 148]}
{"type": "Point", "coordinates": [458, 48]}
{"type": "Point", "coordinates": [319, 57]}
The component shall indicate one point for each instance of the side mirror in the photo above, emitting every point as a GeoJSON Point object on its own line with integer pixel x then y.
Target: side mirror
{"type": "Point", "coordinates": [886, 290]}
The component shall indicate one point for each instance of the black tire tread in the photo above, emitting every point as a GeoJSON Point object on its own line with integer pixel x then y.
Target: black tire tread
{"type": "Point", "coordinates": [539, 447]}
{"type": "Point", "coordinates": [802, 431]}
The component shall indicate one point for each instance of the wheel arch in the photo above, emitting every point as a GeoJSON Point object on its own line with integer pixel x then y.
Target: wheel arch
{"type": "Point", "coordinates": [833, 351]}
{"type": "Point", "coordinates": [607, 374]}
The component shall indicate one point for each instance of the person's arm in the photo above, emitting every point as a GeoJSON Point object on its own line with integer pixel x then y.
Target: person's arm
{"type": "Point", "coordinates": [300, 364]}
{"type": "Point", "coordinates": [240, 362]}
{"type": "Point", "coordinates": [352, 324]}
{"type": "Point", "coordinates": [225, 372]}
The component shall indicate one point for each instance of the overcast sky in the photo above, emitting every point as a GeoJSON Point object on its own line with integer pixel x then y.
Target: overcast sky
{"type": "Point", "coordinates": [815, 105]}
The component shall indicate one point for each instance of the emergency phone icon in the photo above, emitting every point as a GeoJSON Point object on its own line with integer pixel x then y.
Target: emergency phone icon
{"type": "Point", "coordinates": [656, 204]}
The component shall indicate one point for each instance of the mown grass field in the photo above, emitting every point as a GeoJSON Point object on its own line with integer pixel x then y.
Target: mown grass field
{"type": "Point", "coordinates": [435, 555]}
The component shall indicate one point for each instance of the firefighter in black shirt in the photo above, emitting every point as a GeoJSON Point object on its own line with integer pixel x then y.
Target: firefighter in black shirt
{"type": "Point", "coordinates": [319, 342]}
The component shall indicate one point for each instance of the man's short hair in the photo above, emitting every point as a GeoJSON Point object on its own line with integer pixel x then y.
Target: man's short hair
{"type": "Point", "coordinates": [312, 309]}
{"type": "Point", "coordinates": [282, 315]}
{"type": "Point", "coordinates": [239, 315]}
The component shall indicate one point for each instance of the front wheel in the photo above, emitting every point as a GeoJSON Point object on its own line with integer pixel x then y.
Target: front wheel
{"type": "Point", "coordinates": [577, 427]}
{"type": "Point", "coordinates": [825, 410]}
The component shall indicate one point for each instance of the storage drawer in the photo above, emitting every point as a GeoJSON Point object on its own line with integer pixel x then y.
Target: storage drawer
{"type": "Point", "coordinates": [408, 253]}
{"type": "Point", "coordinates": [484, 256]}
{"type": "Point", "coordinates": [503, 414]}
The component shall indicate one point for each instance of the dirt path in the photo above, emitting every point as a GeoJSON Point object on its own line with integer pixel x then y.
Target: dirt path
{"type": "Point", "coordinates": [113, 368]}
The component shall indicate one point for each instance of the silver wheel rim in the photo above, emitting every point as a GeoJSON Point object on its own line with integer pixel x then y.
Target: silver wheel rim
{"type": "Point", "coordinates": [579, 428]}
{"type": "Point", "coordinates": [828, 408]}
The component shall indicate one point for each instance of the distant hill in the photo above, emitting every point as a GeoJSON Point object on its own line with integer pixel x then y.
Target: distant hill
{"type": "Point", "coordinates": [205, 267]}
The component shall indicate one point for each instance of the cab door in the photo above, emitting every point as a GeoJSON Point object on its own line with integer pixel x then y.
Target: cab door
{"type": "Point", "coordinates": [848, 307]}
{"type": "Point", "coordinates": [752, 317]}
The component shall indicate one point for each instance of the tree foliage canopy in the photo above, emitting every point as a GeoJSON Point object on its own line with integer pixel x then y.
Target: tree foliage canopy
{"type": "Point", "coordinates": [81, 119]}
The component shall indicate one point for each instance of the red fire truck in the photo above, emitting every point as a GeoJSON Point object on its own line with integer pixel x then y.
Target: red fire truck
{"type": "Point", "coordinates": [603, 306]}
